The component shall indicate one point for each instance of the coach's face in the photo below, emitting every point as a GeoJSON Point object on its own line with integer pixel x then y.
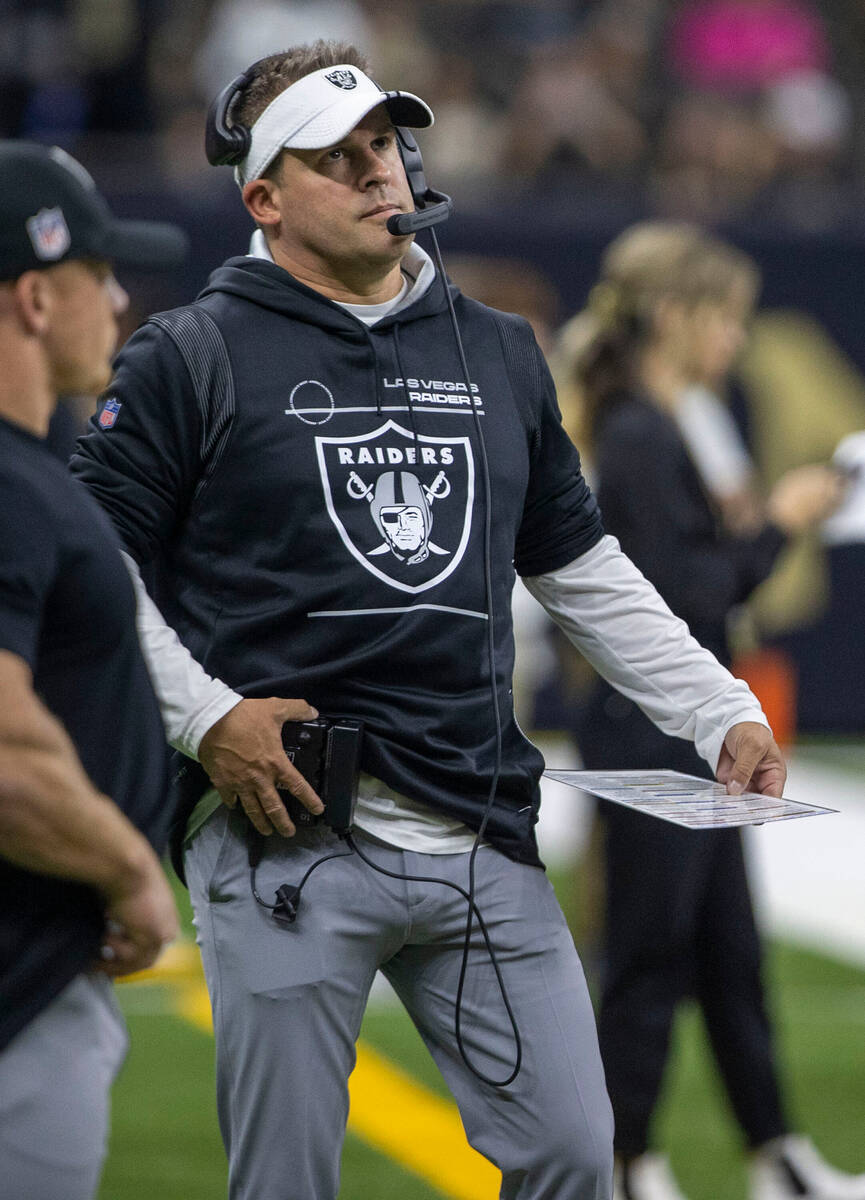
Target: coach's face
{"type": "Point", "coordinates": [81, 337]}
{"type": "Point", "coordinates": [331, 206]}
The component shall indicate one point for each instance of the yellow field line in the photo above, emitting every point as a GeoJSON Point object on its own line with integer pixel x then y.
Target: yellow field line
{"type": "Point", "coordinates": [417, 1128]}
{"type": "Point", "coordinates": [389, 1111]}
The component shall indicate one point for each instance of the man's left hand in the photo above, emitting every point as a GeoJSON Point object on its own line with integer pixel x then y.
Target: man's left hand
{"type": "Point", "coordinates": [751, 761]}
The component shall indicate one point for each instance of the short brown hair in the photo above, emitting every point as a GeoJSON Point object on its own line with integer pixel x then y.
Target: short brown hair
{"type": "Point", "coordinates": [272, 75]}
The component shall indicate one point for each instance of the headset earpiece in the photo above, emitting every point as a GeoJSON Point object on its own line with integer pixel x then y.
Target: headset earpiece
{"type": "Point", "coordinates": [430, 207]}
{"type": "Point", "coordinates": [225, 144]}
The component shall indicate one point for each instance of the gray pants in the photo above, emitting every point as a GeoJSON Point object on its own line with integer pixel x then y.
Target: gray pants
{"type": "Point", "coordinates": [288, 1005]}
{"type": "Point", "coordinates": [55, 1082]}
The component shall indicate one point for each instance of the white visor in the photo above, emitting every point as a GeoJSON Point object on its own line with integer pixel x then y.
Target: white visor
{"type": "Point", "coordinates": [320, 110]}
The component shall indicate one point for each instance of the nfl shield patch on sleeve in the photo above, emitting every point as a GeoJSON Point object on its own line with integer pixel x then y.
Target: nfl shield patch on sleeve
{"type": "Point", "coordinates": [108, 416]}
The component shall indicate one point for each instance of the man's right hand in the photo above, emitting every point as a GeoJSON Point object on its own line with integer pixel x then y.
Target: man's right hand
{"type": "Point", "coordinates": [244, 757]}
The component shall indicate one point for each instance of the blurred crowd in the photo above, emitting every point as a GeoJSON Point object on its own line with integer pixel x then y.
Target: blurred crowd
{"type": "Point", "coordinates": [713, 110]}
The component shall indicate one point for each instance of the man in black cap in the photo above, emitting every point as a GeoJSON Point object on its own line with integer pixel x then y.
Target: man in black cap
{"type": "Point", "coordinates": [82, 761]}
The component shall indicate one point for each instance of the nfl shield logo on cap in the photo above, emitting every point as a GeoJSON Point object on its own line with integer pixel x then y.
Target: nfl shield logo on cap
{"type": "Point", "coordinates": [49, 234]}
{"type": "Point", "coordinates": [109, 413]}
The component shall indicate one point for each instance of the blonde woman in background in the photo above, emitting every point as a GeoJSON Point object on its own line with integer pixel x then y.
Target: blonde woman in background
{"type": "Point", "coordinates": [663, 327]}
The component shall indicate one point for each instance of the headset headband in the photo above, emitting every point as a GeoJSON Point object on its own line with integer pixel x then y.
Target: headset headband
{"type": "Point", "coordinates": [317, 111]}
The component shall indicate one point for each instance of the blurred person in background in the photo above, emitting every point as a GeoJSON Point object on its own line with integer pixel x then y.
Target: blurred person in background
{"type": "Point", "coordinates": [579, 106]}
{"type": "Point", "coordinates": [714, 159]}
{"type": "Point", "coordinates": [664, 325]}
{"type": "Point", "coordinates": [83, 777]}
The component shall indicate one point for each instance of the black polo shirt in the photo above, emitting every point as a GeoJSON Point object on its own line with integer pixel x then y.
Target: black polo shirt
{"type": "Point", "coordinates": [67, 608]}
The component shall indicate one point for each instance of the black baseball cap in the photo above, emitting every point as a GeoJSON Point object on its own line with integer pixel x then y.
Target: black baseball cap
{"type": "Point", "coordinates": [51, 211]}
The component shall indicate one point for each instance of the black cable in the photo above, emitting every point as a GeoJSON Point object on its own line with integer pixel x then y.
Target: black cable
{"type": "Point", "coordinates": [287, 895]}
{"type": "Point", "coordinates": [490, 951]}
{"type": "Point", "coordinates": [288, 901]}
{"type": "Point", "coordinates": [491, 654]}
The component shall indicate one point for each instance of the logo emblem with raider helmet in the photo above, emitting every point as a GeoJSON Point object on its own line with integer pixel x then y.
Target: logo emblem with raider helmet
{"type": "Point", "coordinates": [342, 79]}
{"type": "Point", "coordinates": [402, 505]}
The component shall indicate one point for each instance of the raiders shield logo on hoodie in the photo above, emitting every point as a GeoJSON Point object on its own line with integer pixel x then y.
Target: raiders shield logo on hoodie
{"type": "Point", "coordinates": [401, 504]}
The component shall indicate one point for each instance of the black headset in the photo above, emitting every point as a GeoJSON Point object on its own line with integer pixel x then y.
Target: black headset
{"type": "Point", "coordinates": [227, 144]}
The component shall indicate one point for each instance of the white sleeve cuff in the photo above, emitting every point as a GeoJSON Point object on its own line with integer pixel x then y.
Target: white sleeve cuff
{"type": "Point", "coordinates": [616, 618]}
{"type": "Point", "coordinates": [191, 701]}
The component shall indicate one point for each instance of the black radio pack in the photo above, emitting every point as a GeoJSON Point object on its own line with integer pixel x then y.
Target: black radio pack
{"type": "Point", "coordinates": [327, 754]}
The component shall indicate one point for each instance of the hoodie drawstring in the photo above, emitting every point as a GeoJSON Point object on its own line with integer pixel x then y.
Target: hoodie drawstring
{"type": "Point", "coordinates": [379, 386]}
{"type": "Point", "coordinates": [406, 389]}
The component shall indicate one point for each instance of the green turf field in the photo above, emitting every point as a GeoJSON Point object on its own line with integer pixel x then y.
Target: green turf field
{"type": "Point", "coordinates": [165, 1143]}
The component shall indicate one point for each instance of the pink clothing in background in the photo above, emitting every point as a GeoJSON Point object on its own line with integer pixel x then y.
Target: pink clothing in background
{"type": "Point", "coordinates": [745, 43]}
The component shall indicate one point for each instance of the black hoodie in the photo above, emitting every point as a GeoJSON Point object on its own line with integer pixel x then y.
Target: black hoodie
{"type": "Point", "coordinates": [311, 493]}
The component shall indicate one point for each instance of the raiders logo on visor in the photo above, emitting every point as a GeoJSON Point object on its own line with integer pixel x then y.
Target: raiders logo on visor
{"type": "Point", "coordinates": [342, 79]}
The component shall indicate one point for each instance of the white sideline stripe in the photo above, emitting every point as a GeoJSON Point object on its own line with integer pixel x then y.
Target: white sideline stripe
{"type": "Point", "coordinates": [809, 886]}
{"type": "Point", "coordinates": [366, 612]}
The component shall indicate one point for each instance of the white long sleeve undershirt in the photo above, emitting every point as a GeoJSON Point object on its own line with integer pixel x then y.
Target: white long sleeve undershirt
{"type": "Point", "coordinates": [617, 619]}
{"type": "Point", "coordinates": [191, 701]}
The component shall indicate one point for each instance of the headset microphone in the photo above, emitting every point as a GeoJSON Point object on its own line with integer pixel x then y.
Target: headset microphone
{"type": "Point", "coordinates": [431, 207]}
{"type": "Point", "coordinates": [402, 223]}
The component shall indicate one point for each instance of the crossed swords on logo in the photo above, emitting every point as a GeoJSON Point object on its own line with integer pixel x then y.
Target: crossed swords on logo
{"type": "Point", "coordinates": [437, 490]}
